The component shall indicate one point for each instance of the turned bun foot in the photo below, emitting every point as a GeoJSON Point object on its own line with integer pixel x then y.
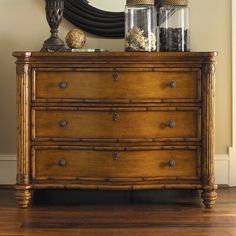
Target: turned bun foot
{"type": "Point", "coordinates": [209, 198]}
{"type": "Point", "coordinates": [23, 196]}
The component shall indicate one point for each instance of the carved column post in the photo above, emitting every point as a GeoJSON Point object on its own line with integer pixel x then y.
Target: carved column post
{"type": "Point", "coordinates": [209, 194]}
{"type": "Point", "coordinates": [23, 194]}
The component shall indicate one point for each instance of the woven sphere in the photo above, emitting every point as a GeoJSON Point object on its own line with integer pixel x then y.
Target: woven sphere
{"type": "Point", "coordinates": [75, 38]}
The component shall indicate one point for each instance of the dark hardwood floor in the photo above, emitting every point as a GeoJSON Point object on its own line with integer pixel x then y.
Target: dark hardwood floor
{"type": "Point", "coordinates": [152, 213]}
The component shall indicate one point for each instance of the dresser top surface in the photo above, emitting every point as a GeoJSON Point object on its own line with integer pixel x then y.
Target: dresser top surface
{"type": "Point", "coordinates": [114, 56]}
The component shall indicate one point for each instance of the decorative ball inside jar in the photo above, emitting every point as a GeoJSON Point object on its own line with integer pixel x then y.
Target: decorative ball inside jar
{"type": "Point", "coordinates": [75, 39]}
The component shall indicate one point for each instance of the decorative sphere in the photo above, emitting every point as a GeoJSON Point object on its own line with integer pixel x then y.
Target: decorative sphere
{"type": "Point", "coordinates": [75, 38]}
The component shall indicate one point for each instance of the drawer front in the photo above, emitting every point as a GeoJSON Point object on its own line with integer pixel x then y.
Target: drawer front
{"type": "Point", "coordinates": [105, 86]}
{"type": "Point", "coordinates": [118, 125]}
{"type": "Point", "coordinates": [104, 165]}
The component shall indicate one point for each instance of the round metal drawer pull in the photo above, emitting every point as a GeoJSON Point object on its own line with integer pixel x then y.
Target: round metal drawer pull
{"type": "Point", "coordinates": [62, 162]}
{"type": "Point", "coordinates": [62, 123]}
{"type": "Point", "coordinates": [116, 156]}
{"type": "Point", "coordinates": [171, 163]}
{"type": "Point", "coordinates": [172, 84]}
{"type": "Point", "coordinates": [171, 124]}
{"type": "Point", "coordinates": [115, 116]}
{"type": "Point", "coordinates": [62, 85]}
{"type": "Point", "coordinates": [115, 76]}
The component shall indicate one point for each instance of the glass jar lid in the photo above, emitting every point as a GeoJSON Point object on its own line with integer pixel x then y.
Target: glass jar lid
{"type": "Point", "coordinates": [175, 2]}
{"type": "Point", "coordinates": [140, 2]}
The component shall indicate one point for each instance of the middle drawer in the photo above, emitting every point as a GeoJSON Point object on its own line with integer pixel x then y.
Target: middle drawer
{"type": "Point", "coordinates": [121, 124]}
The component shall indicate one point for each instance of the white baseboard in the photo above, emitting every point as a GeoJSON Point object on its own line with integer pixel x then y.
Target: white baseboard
{"type": "Point", "coordinates": [7, 157]}
{"type": "Point", "coordinates": [232, 166]}
{"type": "Point", "coordinates": [222, 165]}
{"type": "Point", "coordinates": [8, 169]}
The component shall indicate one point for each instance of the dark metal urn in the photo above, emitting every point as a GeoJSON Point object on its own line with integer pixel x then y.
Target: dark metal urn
{"type": "Point", "coordinates": [54, 13]}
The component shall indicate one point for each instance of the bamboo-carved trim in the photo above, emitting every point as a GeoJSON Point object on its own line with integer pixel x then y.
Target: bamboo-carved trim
{"type": "Point", "coordinates": [53, 68]}
{"type": "Point", "coordinates": [113, 148]}
{"type": "Point", "coordinates": [199, 162]}
{"type": "Point", "coordinates": [23, 121]}
{"type": "Point", "coordinates": [114, 109]}
{"type": "Point", "coordinates": [140, 180]}
{"type": "Point", "coordinates": [148, 104]}
{"type": "Point", "coordinates": [33, 163]}
{"type": "Point", "coordinates": [110, 143]}
{"type": "Point", "coordinates": [152, 186]}
{"type": "Point", "coordinates": [199, 84]}
{"type": "Point", "coordinates": [152, 141]}
{"type": "Point", "coordinates": [208, 126]}
{"type": "Point", "coordinates": [110, 102]}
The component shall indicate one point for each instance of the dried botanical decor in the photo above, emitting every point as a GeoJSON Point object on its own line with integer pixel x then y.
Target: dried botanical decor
{"type": "Point", "coordinates": [136, 41]}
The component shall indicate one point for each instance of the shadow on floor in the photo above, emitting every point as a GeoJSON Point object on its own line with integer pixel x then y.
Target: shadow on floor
{"type": "Point", "coordinates": [88, 197]}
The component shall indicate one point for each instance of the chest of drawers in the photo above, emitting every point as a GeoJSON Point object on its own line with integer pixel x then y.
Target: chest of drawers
{"type": "Point", "coordinates": [115, 121]}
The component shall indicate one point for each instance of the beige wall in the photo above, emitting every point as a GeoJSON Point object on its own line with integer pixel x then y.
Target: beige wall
{"type": "Point", "coordinates": [23, 27]}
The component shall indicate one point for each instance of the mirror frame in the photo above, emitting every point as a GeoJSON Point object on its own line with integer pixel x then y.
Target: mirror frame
{"type": "Point", "coordinates": [96, 21]}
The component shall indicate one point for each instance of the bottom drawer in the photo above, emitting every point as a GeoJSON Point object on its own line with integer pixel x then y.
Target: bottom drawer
{"type": "Point", "coordinates": [75, 164]}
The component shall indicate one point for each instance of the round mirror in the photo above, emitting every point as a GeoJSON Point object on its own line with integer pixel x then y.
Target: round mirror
{"type": "Point", "coordinates": [116, 6]}
{"type": "Point", "coordinates": [100, 17]}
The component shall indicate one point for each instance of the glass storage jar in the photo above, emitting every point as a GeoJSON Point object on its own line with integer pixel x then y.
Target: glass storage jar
{"type": "Point", "coordinates": [174, 26]}
{"type": "Point", "coordinates": [140, 26]}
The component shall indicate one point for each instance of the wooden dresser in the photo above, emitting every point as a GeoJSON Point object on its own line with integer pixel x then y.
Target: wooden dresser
{"type": "Point", "coordinates": [115, 121]}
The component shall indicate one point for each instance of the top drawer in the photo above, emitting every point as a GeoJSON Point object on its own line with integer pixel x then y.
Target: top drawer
{"type": "Point", "coordinates": [121, 86]}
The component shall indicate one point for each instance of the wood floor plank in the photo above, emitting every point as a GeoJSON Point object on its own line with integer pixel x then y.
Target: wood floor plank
{"type": "Point", "coordinates": [168, 217]}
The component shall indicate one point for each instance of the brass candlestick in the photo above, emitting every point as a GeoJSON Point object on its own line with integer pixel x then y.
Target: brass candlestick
{"type": "Point", "coordinates": [54, 13]}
